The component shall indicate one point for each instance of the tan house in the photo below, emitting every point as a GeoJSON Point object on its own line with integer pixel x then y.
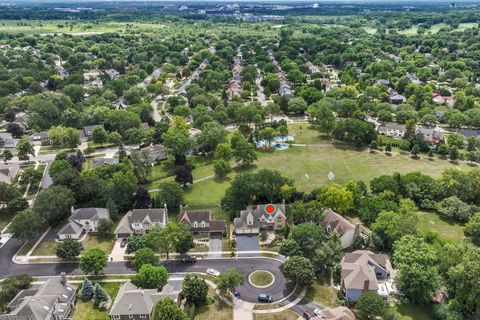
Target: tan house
{"type": "Point", "coordinates": [200, 223]}
{"type": "Point", "coordinates": [333, 223]}
{"type": "Point", "coordinates": [338, 313]}
{"type": "Point", "coordinates": [261, 217]}
{"type": "Point", "coordinates": [141, 221]}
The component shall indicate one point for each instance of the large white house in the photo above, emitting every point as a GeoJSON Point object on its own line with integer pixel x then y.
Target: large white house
{"type": "Point", "coordinates": [141, 221]}
{"type": "Point", "coordinates": [82, 220]}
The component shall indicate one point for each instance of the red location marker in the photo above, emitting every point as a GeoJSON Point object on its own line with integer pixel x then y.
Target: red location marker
{"type": "Point", "coordinates": [270, 209]}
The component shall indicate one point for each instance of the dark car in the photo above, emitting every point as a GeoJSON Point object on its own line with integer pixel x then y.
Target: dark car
{"type": "Point", "coordinates": [308, 315]}
{"type": "Point", "coordinates": [123, 243]}
{"type": "Point", "coordinates": [192, 259]}
{"type": "Point", "coordinates": [263, 297]}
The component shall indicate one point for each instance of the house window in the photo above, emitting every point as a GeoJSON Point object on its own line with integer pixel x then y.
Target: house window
{"type": "Point", "coordinates": [203, 224]}
{"type": "Point", "coordinates": [116, 317]}
{"type": "Point", "coordinates": [130, 316]}
{"type": "Point", "coordinates": [146, 224]}
{"type": "Point", "coordinates": [143, 316]}
{"type": "Point", "coordinates": [195, 224]}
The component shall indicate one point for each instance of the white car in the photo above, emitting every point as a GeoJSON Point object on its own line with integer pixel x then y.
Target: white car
{"type": "Point", "coordinates": [213, 272]}
{"type": "Point", "coordinates": [317, 312]}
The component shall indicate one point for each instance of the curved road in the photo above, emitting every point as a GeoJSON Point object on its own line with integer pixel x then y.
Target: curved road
{"type": "Point", "coordinates": [279, 289]}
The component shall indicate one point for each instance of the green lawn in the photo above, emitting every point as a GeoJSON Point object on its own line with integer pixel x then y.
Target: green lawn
{"type": "Point", "coordinates": [409, 311]}
{"type": "Point", "coordinates": [284, 315]}
{"type": "Point", "coordinates": [217, 310]}
{"type": "Point", "coordinates": [87, 311]}
{"type": "Point", "coordinates": [261, 278]}
{"type": "Point", "coordinates": [45, 248]}
{"type": "Point", "coordinates": [430, 221]}
{"type": "Point", "coordinates": [95, 241]}
{"type": "Point", "coordinates": [322, 293]}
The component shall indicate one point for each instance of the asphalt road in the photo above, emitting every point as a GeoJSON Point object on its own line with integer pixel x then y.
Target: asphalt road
{"type": "Point", "coordinates": [281, 287]}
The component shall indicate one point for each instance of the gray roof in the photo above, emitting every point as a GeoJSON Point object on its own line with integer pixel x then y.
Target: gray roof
{"type": "Point", "coordinates": [155, 215]}
{"type": "Point", "coordinates": [132, 300]}
{"type": "Point", "coordinates": [241, 222]}
{"type": "Point", "coordinates": [391, 126]}
{"type": "Point", "coordinates": [90, 214]}
{"type": "Point", "coordinates": [50, 298]}
{"type": "Point", "coordinates": [71, 228]}
{"type": "Point", "coordinates": [99, 162]}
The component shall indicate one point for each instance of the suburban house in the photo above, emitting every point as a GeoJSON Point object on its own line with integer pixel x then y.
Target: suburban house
{"type": "Point", "coordinates": [8, 172]}
{"type": "Point", "coordinates": [397, 99]}
{"type": "Point", "coordinates": [7, 141]}
{"type": "Point", "coordinates": [393, 130]}
{"type": "Point", "coordinates": [86, 132]}
{"type": "Point", "coordinates": [364, 271]}
{"type": "Point", "coordinates": [137, 303]}
{"type": "Point", "coordinates": [52, 300]}
{"type": "Point", "coordinates": [200, 223]}
{"type": "Point", "coordinates": [338, 313]}
{"type": "Point", "coordinates": [261, 217]}
{"type": "Point", "coordinates": [82, 220]}
{"type": "Point", "coordinates": [102, 161]}
{"type": "Point", "coordinates": [141, 221]}
{"type": "Point", "coordinates": [431, 135]}
{"type": "Point", "coordinates": [42, 137]}
{"type": "Point", "coordinates": [285, 91]}
{"type": "Point", "coordinates": [333, 223]}
{"type": "Point", "coordinates": [157, 152]}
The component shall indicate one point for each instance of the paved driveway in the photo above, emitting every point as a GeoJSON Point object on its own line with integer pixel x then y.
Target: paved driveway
{"type": "Point", "coordinates": [247, 243]}
{"type": "Point", "coordinates": [215, 245]}
{"type": "Point", "coordinates": [117, 252]}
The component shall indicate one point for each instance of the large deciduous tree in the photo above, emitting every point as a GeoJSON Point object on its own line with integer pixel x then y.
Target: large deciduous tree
{"type": "Point", "coordinates": [93, 261]}
{"type": "Point", "coordinates": [299, 270]}
{"type": "Point", "coordinates": [151, 277]}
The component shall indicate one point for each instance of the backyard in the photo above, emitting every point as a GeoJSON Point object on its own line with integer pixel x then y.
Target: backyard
{"type": "Point", "coordinates": [87, 311]}
{"type": "Point", "coordinates": [217, 309]}
{"type": "Point", "coordinates": [430, 221]}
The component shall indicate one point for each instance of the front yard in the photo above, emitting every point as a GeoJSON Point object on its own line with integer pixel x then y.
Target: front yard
{"type": "Point", "coordinates": [48, 247]}
{"type": "Point", "coordinates": [322, 293]}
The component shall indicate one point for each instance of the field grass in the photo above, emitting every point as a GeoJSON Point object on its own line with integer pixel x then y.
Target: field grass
{"type": "Point", "coordinates": [217, 310]}
{"type": "Point", "coordinates": [284, 315]}
{"type": "Point", "coordinates": [322, 293]}
{"type": "Point", "coordinates": [47, 247]}
{"type": "Point", "coordinates": [95, 241]}
{"type": "Point", "coordinates": [261, 278]}
{"type": "Point", "coordinates": [87, 311]}
{"type": "Point", "coordinates": [430, 221]}
{"type": "Point", "coordinates": [409, 311]}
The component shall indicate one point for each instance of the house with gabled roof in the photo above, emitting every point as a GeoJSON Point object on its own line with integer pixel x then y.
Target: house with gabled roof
{"type": "Point", "coordinates": [136, 303]}
{"type": "Point", "coordinates": [364, 271]}
{"type": "Point", "coordinates": [200, 223]}
{"type": "Point", "coordinates": [333, 223]}
{"type": "Point", "coordinates": [141, 221]}
{"type": "Point", "coordinates": [82, 220]}
{"type": "Point", "coordinates": [52, 300]}
{"type": "Point", "coordinates": [338, 313]}
{"type": "Point", "coordinates": [261, 217]}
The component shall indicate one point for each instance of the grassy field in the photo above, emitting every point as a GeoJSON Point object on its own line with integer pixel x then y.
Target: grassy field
{"type": "Point", "coordinates": [217, 310]}
{"type": "Point", "coordinates": [322, 293]}
{"type": "Point", "coordinates": [87, 311]}
{"type": "Point", "coordinates": [409, 311]}
{"type": "Point", "coordinates": [261, 278]}
{"type": "Point", "coordinates": [284, 315]}
{"type": "Point", "coordinates": [48, 247]}
{"type": "Point", "coordinates": [429, 221]}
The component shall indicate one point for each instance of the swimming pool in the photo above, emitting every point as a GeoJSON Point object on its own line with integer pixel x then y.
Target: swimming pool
{"type": "Point", "coordinates": [278, 143]}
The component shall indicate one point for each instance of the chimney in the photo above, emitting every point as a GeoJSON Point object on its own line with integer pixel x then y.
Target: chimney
{"type": "Point", "coordinates": [357, 230]}
{"type": "Point", "coordinates": [283, 201]}
{"type": "Point", "coordinates": [180, 209]}
{"type": "Point", "coordinates": [366, 285]}
{"type": "Point", "coordinates": [63, 278]}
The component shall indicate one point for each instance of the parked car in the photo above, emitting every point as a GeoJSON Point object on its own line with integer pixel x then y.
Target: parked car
{"type": "Point", "coordinates": [308, 315]}
{"type": "Point", "coordinates": [318, 312]}
{"type": "Point", "coordinates": [263, 297]}
{"type": "Point", "coordinates": [213, 272]}
{"type": "Point", "coordinates": [123, 243]}
{"type": "Point", "coordinates": [192, 259]}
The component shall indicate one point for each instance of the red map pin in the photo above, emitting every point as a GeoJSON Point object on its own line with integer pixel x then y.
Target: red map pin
{"type": "Point", "coordinates": [270, 209]}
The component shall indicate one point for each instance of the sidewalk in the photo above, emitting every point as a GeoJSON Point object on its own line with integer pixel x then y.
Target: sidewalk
{"type": "Point", "coordinates": [242, 310]}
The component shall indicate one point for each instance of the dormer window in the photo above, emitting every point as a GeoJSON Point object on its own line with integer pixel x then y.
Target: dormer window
{"type": "Point", "coordinates": [203, 224]}
{"type": "Point", "coordinates": [146, 224]}
{"type": "Point", "coordinates": [249, 219]}
{"type": "Point", "coordinates": [195, 224]}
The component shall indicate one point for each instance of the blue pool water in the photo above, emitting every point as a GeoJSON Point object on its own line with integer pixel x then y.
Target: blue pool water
{"type": "Point", "coordinates": [277, 144]}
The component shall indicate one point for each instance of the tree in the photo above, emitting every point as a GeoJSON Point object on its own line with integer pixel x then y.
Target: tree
{"type": "Point", "coordinates": [87, 290]}
{"type": "Point", "coordinates": [290, 248]}
{"type": "Point", "coordinates": [223, 152]}
{"type": "Point", "coordinates": [138, 242]}
{"type": "Point", "coordinates": [121, 189]}
{"type": "Point", "coordinates": [177, 139]}
{"type": "Point", "coordinates": [24, 149]}
{"type": "Point", "coordinates": [54, 204]}
{"type": "Point", "coordinates": [99, 135]}
{"type": "Point", "coordinates": [26, 225]}
{"type": "Point", "coordinates": [453, 153]}
{"type": "Point", "coordinates": [472, 229]}
{"type": "Point", "coordinates": [299, 270]}
{"type": "Point", "coordinates": [15, 129]}
{"type": "Point", "coordinates": [321, 113]}
{"type": "Point", "coordinates": [336, 197]}
{"type": "Point", "coordinates": [354, 131]}
{"type": "Point", "coordinates": [388, 148]}
{"type": "Point", "coordinates": [373, 146]}
{"type": "Point", "coordinates": [213, 133]}
{"type": "Point", "coordinates": [415, 151]}
{"type": "Point", "coordinates": [453, 208]}
{"type": "Point", "coordinates": [268, 135]}
{"type": "Point", "coordinates": [63, 173]}
{"type": "Point", "coordinates": [69, 249]}
{"type": "Point", "coordinates": [297, 105]}
{"type": "Point", "coordinates": [172, 237]}
{"type": "Point", "coordinates": [11, 286]}
{"type": "Point", "coordinates": [93, 261]}
{"type": "Point", "coordinates": [229, 280]}
{"type": "Point", "coordinates": [99, 295]}
{"type": "Point", "coordinates": [6, 156]}
{"type": "Point", "coordinates": [74, 91]}
{"type": "Point", "coordinates": [418, 277]}
{"type": "Point", "coordinates": [169, 193]}
{"type": "Point", "coordinates": [105, 228]}
{"type": "Point", "coordinates": [305, 212]}
{"type": "Point", "coordinates": [371, 306]}
{"type": "Point", "coordinates": [195, 290]}
{"type": "Point", "coordinates": [184, 175]}
{"type": "Point", "coordinates": [142, 198]}
{"type": "Point", "coordinates": [244, 153]}
{"type": "Point", "coordinates": [166, 309]}
{"type": "Point", "coordinates": [329, 254]}
{"type": "Point", "coordinates": [143, 256]}
{"type": "Point", "coordinates": [184, 242]}
{"type": "Point", "coordinates": [151, 277]}
{"type": "Point", "coordinates": [310, 236]}
{"type": "Point", "coordinates": [221, 168]}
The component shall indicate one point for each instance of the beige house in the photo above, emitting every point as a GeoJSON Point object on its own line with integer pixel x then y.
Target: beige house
{"type": "Point", "coordinates": [333, 223]}
{"type": "Point", "coordinates": [141, 221]}
{"type": "Point", "coordinates": [261, 217]}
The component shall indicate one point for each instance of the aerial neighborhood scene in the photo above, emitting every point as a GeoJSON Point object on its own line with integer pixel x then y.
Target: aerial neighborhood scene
{"type": "Point", "coordinates": [240, 160]}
